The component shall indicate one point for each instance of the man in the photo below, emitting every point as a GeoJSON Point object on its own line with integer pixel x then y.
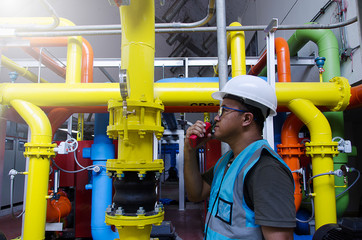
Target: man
{"type": "Point", "coordinates": [251, 189]}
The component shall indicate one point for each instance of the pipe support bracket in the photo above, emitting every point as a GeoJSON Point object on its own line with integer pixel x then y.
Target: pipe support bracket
{"type": "Point", "coordinates": [323, 149]}
{"type": "Point", "coordinates": [291, 150]}
{"type": "Point", "coordinates": [39, 150]}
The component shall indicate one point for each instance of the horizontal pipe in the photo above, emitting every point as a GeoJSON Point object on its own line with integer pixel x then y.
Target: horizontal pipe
{"type": "Point", "coordinates": [356, 97]}
{"type": "Point", "coordinates": [175, 30]}
{"type": "Point", "coordinates": [332, 95]}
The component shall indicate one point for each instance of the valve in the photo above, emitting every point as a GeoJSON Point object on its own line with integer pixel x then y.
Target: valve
{"type": "Point", "coordinates": [70, 145]}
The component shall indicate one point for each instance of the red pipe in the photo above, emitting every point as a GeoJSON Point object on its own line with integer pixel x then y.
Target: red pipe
{"type": "Point", "coordinates": [356, 98]}
{"type": "Point", "coordinates": [46, 60]}
{"type": "Point", "coordinates": [290, 150]}
{"type": "Point", "coordinates": [258, 67]}
{"type": "Point", "coordinates": [283, 59]}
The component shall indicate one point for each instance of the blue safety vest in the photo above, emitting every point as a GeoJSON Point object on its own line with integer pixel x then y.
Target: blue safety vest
{"type": "Point", "coordinates": [228, 216]}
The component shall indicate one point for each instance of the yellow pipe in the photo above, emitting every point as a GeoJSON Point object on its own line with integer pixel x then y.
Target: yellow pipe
{"type": "Point", "coordinates": [138, 48]}
{"type": "Point", "coordinates": [74, 51]}
{"type": "Point", "coordinates": [334, 95]}
{"type": "Point", "coordinates": [134, 121]}
{"type": "Point", "coordinates": [237, 49]}
{"type": "Point", "coordinates": [39, 150]}
{"type": "Point", "coordinates": [23, 72]}
{"type": "Point", "coordinates": [322, 150]}
{"type": "Point", "coordinates": [60, 94]}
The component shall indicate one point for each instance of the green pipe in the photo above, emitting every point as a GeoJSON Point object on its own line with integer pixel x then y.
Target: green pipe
{"type": "Point", "coordinates": [328, 48]}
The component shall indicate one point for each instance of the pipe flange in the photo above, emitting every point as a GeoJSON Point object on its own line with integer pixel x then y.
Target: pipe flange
{"type": "Point", "coordinates": [345, 93]}
{"type": "Point", "coordinates": [312, 149]}
{"type": "Point", "coordinates": [139, 221]}
{"type": "Point", "coordinates": [39, 150]}
{"type": "Point", "coordinates": [118, 166]}
{"type": "Point", "coordinates": [290, 150]}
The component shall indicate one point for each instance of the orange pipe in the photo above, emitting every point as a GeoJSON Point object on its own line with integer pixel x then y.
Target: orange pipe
{"type": "Point", "coordinates": [87, 53]}
{"type": "Point", "coordinates": [87, 62]}
{"type": "Point", "coordinates": [290, 150]}
{"type": "Point", "coordinates": [57, 116]}
{"type": "Point", "coordinates": [283, 60]}
{"type": "Point", "coordinates": [356, 99]}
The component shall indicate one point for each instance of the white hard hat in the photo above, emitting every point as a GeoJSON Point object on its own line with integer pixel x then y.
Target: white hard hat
{"type": "Point", "coordinates": [253, 90]}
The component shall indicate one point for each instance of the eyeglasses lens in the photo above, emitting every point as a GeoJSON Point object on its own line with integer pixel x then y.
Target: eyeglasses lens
{"type": "Point", "coordinates": [221, 111]}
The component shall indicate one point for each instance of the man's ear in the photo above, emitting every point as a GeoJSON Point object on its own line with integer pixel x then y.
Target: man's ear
{"type": "Point", "coordinates": [247, 119]}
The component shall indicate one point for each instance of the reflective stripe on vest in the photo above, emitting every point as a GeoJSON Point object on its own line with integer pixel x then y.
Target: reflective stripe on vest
{"type": "Point", "coordinates": [228, 215]}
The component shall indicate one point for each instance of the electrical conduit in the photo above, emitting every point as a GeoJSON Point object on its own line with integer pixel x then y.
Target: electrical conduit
{"type": "Point", "coordinates": [39, 150]}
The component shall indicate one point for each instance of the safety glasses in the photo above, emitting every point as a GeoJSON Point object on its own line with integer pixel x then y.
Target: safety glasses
{"type": "Point", "coordinates": [222, 110]}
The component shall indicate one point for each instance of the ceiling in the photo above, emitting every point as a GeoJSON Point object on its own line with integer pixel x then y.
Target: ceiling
{"type": "Point", "coordinates": [100, 12]}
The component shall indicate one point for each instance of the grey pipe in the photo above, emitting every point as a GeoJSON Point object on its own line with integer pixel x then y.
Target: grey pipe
{"type": "Point", "coordinates": [221, 43]}
{"type": "Point", "coordinates": [118, 27]}
{"type": "Point", "coordinates": [175, 30]}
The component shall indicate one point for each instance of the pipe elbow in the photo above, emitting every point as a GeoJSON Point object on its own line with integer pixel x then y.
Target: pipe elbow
{"type": "Point", "coordinates": [310, 115]}
{"type": "Point", "coordinates": [35, 118]}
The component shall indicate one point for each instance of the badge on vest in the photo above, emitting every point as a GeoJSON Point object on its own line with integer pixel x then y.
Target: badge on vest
{"type": "Point", "coordinates": [224, 210]}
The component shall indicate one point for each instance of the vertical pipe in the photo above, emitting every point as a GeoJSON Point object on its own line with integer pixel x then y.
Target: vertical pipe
{"type": "Point", "coordinates": [321, 149]}
{"type": "Point", "coordinates": [221, 42]}
{"type": "Point", "coordinates": [39, 150]}
{"type": "Point", "coordinates": [237, 49]}
{"type": "Point", "coordinates": [101, 150]}
{"type": "Point", "coordinates": [74, 60]}
{"type": "Point", "coordinates": [138, 48]}
{"type": "Point", "coordinates": [289, 149]}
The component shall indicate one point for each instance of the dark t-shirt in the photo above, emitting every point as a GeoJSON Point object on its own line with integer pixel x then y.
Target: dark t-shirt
{"type": "Point", "coordinates": [268, 191]}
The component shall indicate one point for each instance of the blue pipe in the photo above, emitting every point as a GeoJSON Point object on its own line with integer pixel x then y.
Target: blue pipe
{"type": "Point", "coordinates": [101, 150]}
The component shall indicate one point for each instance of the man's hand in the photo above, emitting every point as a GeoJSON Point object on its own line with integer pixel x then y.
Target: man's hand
{"type": "Point", "coordinates": [199, 130]}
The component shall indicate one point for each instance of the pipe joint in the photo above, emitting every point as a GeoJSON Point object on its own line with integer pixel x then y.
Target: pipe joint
{"type": "Point", "coordinates": [344, 93]}
{"type": "Point", "coordinates": [323, 149]}
{"type": "Point", "coordinates": [39, 150]}
{"type": "Point", "coordinates": [117, 167]}
{"type": "Point", "coordinates": [145, 119]}
{"type": "Point", "coordinates": [291, 150]}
